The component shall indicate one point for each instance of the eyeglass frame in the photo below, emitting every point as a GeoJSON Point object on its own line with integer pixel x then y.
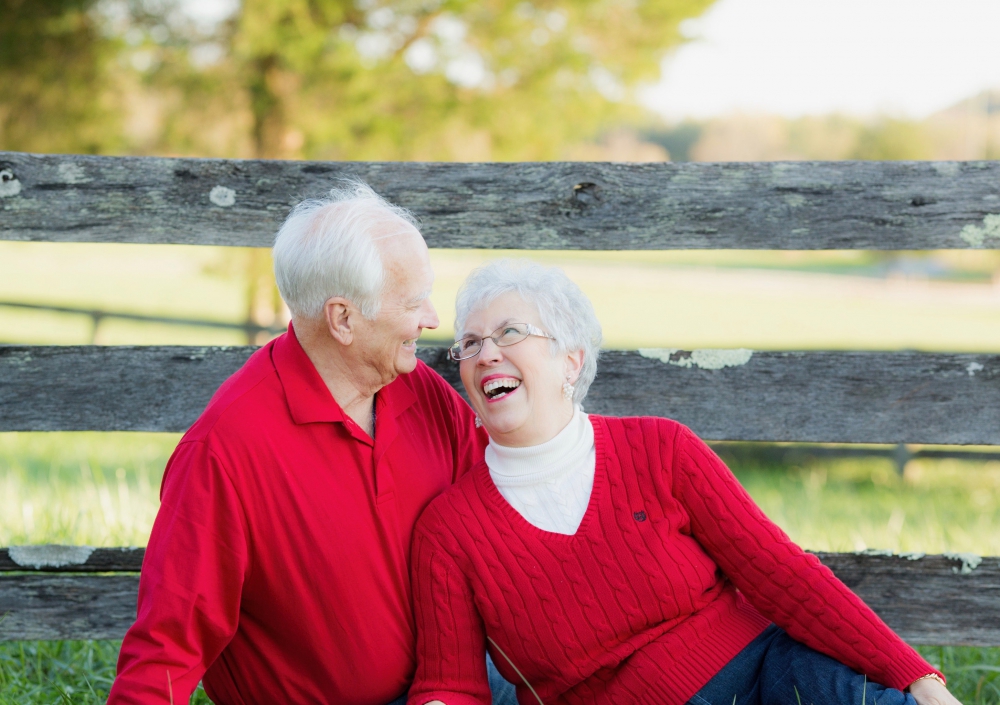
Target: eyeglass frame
{"type": "Point", "coordinates": [532, 331]}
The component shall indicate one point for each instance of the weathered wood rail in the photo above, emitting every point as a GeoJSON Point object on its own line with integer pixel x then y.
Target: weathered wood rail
{"type": "Point", "coordinates": [545, 205]}
{"type": "Point", "coordinates": [849, 397]}
{"type": "Point", "coordinates": [926, 599]}
{"type": "Point", "coordinates": [846, 397]}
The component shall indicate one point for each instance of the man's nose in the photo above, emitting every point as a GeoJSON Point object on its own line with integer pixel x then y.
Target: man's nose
{"type": "Point", "coordinates": [430, 318]}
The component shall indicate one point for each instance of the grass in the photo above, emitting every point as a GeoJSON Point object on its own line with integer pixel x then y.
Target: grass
{"type": "Point", "coordinates": [101, 489]}
{"type": "Point", "coordinates": [63, 672]}
{"type": "Point", "coordinates": [679, 299]}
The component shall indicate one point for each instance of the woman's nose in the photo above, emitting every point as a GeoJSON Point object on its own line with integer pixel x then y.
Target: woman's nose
{"type": "Point", "coordinates": [490, 353]}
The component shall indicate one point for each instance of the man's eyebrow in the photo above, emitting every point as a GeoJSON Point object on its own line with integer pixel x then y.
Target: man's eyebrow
{"type": "Point", "coordinates": [422, 296]}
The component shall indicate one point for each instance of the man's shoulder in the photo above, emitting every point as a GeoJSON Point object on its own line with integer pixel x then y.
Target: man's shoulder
{"type": "Point", "coordinates": [434, 395]}
{"type": "Point", "coordinates": [460, 499]}
{"type": "Point", "coordinates": [250, 391]}
{"type": "Point", "coordinates": [424, 376]}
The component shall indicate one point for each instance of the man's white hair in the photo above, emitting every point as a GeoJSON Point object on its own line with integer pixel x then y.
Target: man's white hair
{"type": "Point", "coordinates": [326, 247]}
{"type": "Point", "coordinates": [563, 309]}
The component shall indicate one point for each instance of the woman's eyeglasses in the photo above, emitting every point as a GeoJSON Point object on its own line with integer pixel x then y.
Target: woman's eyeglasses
{"type": "Point", "coordinates": [505, 335]}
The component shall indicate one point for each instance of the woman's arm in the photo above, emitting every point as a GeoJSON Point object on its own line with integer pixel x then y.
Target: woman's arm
{"type": "Point", "coordinates": [451, 640]}
{"type": "Point", "coordinates": [788, 585]}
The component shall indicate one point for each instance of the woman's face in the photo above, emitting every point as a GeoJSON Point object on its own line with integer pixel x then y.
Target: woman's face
{"type": "Point", "coordinates": [525, 405]}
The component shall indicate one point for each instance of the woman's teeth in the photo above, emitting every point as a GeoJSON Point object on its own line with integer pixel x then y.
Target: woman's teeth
{"type": "Point", "coordinates": [496, 388]}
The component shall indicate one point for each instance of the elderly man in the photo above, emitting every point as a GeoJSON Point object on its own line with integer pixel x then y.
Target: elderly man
{"type": "Point", "coordinates": [278, 566]}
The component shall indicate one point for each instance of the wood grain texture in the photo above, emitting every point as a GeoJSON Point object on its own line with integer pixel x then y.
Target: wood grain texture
{"type": "Point", "coordinates": [101, 560]}
{"type": "Point", "coordinates": [110, 388]}
{"type": "Point", "coordinates": [67, 606]}
{"type": "Point", "coordinates": [927, 601]}
{"type": "Point", "coordinates": [828, 397]}
{"type": "Point", "coordinates": [536, 205]}
{"type": "Point", "coordinates": [845, 397]}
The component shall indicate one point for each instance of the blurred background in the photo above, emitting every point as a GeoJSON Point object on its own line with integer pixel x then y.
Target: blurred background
{"type": "Point", "coordinates": [502, 80]}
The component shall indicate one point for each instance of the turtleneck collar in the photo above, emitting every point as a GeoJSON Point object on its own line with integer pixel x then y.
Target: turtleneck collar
{"type": "Point", "coordinates": [519, 467]}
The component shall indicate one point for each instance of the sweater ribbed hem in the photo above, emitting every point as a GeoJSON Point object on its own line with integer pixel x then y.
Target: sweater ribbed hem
{"type": "Point", "coordinates": [677, 665]}
{"type": "Point", "coordinates": [447, 697]}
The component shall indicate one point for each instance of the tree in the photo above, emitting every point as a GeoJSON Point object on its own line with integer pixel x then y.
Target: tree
{"type": "Point", "coordinates": [54, 64]}
{"type": "Point", "coordinates": [451, 79]}
{"type": "Point", "coordinates": [334, 79]}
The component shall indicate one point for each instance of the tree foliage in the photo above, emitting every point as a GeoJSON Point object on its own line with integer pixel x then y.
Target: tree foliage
{"type": "Point", "coordinates": [330, 79]}
{"type": "Point", "coordinates": [54, 77]}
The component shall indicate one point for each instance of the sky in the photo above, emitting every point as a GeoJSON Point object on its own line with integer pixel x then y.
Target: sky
{"type": "Point", "coordinates": [907, 58]}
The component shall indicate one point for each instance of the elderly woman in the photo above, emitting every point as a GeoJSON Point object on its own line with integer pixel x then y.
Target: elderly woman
{"type": "Point", "coordinates": [617, 560]}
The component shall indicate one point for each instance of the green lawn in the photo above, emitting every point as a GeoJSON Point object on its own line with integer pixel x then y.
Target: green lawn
{"type": "Point", "coordinates": [683, 299]}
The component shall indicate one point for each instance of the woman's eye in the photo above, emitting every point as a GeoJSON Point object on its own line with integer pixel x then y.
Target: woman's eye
{"type": "Point", "coordinates": [468, 343]}
{"type": "Point", "coordinates": [510, 331]}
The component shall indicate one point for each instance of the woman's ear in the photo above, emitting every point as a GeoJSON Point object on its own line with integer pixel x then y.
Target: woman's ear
{"type": "Point", "coordinates": [574, 365]}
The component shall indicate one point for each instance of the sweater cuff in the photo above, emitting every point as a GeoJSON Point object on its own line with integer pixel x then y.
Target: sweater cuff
{"type": "Point", "coordinates": [447, 697]}
{"type": "Point", "coordinates": [903, 671]}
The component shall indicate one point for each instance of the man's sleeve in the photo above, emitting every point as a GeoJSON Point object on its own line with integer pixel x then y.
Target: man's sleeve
{"type": "Point", "coordinates": [192, 577]}
{"type": "Point", "coordinates": [468, 442]}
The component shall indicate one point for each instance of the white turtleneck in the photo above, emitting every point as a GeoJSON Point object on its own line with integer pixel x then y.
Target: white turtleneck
{"type": "Point", "coordinates": [548, 484]}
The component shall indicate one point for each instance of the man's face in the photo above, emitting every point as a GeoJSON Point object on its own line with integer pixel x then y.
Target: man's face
{"type": "Point", "coordinates": [388, 344]}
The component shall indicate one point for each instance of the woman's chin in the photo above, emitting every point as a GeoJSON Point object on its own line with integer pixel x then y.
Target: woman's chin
{"type": "Point", "coordinates": [500, 423]}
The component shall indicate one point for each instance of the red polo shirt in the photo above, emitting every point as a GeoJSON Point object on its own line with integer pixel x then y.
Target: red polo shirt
{"type": "Point", "coordinates": [278, 565]}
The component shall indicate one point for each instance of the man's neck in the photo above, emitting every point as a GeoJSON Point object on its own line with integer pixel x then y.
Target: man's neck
{"type": "Point", "coordinates": [354, 394]}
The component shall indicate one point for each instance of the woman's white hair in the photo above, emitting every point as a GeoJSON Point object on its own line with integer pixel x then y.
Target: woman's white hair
{"type": "Point", "coordinates": [326, 247]}
{"type": "Point", "coordinates": [564, 310]}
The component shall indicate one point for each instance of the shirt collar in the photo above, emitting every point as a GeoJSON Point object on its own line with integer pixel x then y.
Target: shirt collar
{"type": "Point", "coordinates": [309, 399]}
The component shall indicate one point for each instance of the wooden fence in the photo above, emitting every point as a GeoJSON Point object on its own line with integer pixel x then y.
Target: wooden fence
{"type": "Point", "coordinates": [853, 397]}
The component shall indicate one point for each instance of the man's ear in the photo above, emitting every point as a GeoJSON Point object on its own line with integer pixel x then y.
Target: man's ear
{"type": "Point", "coordinates": [574, 365]}
{"type": "Point", "coordinates": [339, 313]}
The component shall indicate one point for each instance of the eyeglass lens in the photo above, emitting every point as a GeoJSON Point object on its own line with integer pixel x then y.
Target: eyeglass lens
{"type": "Point", "coordinates": [503, 336]}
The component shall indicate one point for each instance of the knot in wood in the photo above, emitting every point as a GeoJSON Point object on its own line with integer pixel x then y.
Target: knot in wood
{"type": "Point", "coordinates": [9, 185]}
{"type": "Point", "coordinates": [586, 193]}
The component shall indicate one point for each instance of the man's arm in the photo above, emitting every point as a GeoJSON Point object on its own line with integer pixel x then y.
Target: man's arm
{"type": "Point", "coordinates": [467, 441]}
{"type": "Point", "coordinates": [192, 578]}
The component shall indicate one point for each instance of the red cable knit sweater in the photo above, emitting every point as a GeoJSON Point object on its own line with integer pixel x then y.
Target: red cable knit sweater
{"type": "Point", "coordinates": [672, 572]}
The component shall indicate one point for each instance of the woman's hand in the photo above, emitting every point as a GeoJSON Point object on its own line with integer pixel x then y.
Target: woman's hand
{"type": "Point", "coordinates": [928, 691]}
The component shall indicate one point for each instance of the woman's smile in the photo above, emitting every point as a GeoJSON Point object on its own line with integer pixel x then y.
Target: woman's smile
{"type": "Point", "coordinates": [499, 386]}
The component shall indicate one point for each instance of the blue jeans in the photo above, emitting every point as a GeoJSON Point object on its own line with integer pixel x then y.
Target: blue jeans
{"type": "Point", "coordinates": [503, 692]}
{"type": "Point", "coordinates": [774, 669]}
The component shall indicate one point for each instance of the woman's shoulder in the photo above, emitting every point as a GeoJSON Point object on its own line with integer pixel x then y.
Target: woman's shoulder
{"type": "Point", "coordinates": [645, 427]}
